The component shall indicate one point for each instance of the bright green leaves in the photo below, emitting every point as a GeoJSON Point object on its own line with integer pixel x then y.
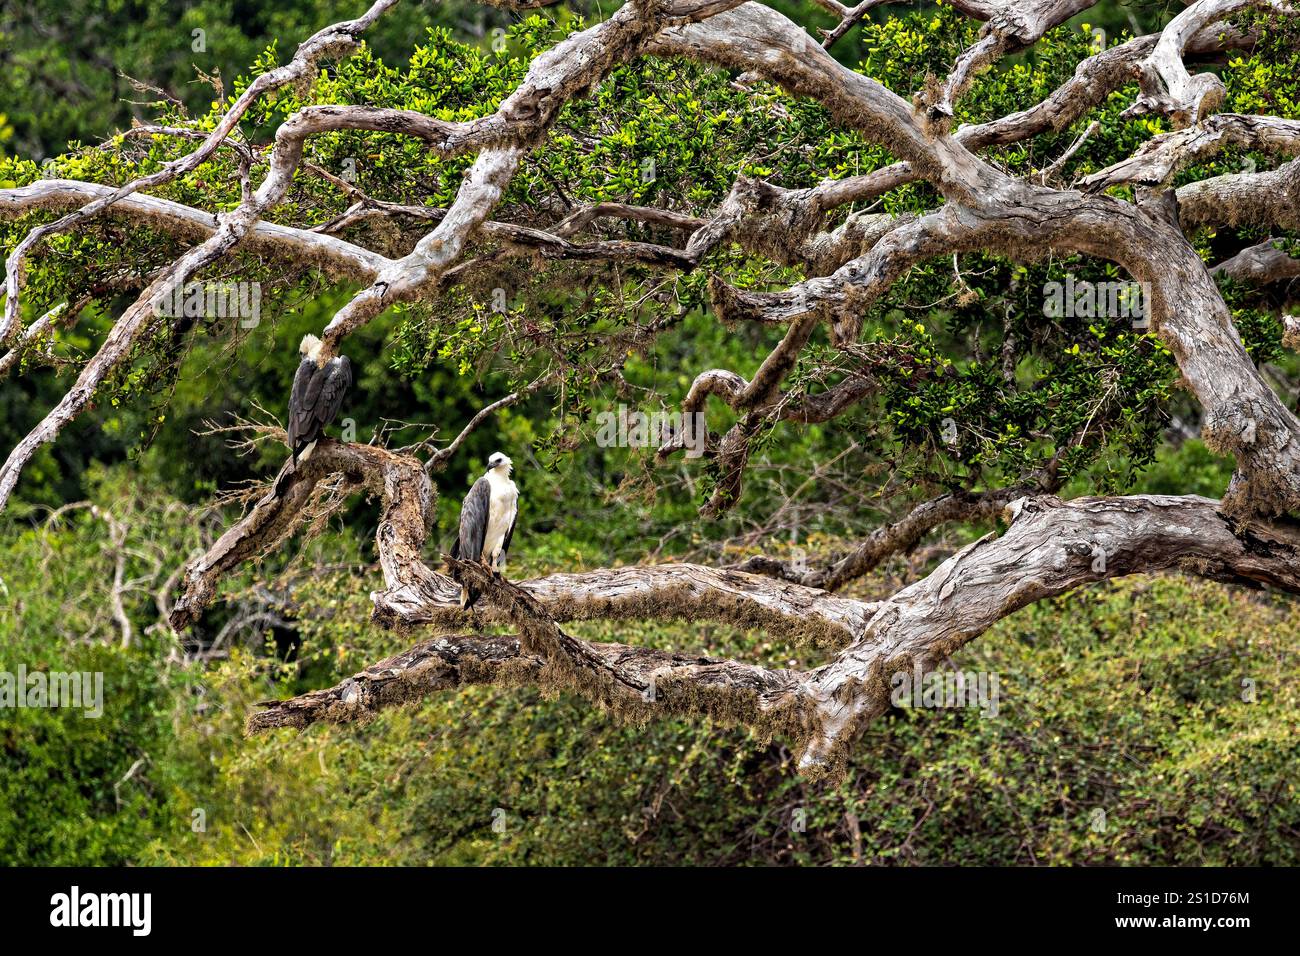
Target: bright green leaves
{"type": "Point", "coordinates": [977, 386]}
{"type": "Point", "coordinates": [970, 353]}
{"type": "Point", "coordinates": [1268, 79]}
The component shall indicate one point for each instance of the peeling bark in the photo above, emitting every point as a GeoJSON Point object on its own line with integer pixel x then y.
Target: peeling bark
{"type": "Point", "coordinates": [1260, 264]}
{"type": "Point", "coordinates": [1049, 548]}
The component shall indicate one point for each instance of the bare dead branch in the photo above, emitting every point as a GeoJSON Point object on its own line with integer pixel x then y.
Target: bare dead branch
{"type": "Point", "coordinates": [1167, 88]}
{"type": "Point", "coordinates": [1260, 264]}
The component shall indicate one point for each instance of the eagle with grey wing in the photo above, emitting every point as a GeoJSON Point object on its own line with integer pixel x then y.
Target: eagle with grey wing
{"type": "Point", "coordinates": [487, 521]}
{"type": "Point", "coordinates": [319, 388]}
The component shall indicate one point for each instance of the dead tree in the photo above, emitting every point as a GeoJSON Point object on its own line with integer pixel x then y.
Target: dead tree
{"type": "Point", "coordinates": [1049, 546]}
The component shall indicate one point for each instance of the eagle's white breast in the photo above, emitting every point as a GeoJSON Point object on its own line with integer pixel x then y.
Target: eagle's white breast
{"type": "Point", "coordinates": [502, 504]}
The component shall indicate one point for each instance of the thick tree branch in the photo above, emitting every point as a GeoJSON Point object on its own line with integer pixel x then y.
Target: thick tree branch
{"type": "Point", "coordinates": [1050, 547]}
{"type": "Point", "coordinates": [334, 257]}
{"type": "Point", "coordinates": [1167, 88]}
{"type": "Point", "coordinates": [898, 537]}
{"type": "Point", "coordinates": [416, 595]}
{"type": "Point", "coordinates": [1243, 415]}
{"type": "Point", "coordinates": [1164, 155]}
{"type": "Point", "coordinates": [1012, 28]}
{"type": "Point", "coordinates": [1260, 264]}
{"type": "Point", "coordinates": [657, 684]}
{"type": "Point", "coordinates": [1270, 199]}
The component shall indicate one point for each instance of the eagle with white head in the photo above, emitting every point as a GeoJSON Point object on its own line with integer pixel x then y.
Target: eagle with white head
{"type": "Point", "coordinates": [487, 521]}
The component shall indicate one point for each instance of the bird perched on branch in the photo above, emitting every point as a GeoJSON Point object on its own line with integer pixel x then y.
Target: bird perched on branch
{"type": "Point", "coordinates": [319, 387]}
{"type": "Point", "coordinates": [487, 521]}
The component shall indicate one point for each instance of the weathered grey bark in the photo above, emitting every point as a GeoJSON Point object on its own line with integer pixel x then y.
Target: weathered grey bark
{"type": "Point", "coordinates": [1049, 546]}
{"type": "Point", "coordinates": [656, 683]}
{"type": "Point", "coordinates": [331, 41]}
{"type": "Point", "coordinates": [1260, 265]}
{"type": "Point", "coordinates": [334, 257]}
{"type": "Point", "coordinates": [1167, 87]}
{"type": "Point", "coordinates": [1010, 28]}
{"type": "Point", "coordinates": [1162, 156]}
{"type": "Point", "coordinates": [503, 137]}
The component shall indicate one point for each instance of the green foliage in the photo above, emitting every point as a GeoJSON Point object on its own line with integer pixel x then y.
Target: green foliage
{"type": "Point", "coordinates": [1089, 397]}
{"type": "Point", "coordinates": [1128, 698]}
{"type": "Point", "coordinates": [59, 805]}
{"type": "Point", "coordinates": [68, 68]}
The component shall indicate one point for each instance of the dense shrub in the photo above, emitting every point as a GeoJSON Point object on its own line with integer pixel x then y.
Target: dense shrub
{"type": "Point", "coordinates": [1127, 698]}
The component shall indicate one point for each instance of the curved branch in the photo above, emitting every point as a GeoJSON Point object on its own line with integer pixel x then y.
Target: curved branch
{"type": "Point", "coordinates": [416, 595]}
{"type": "Point", "coordinates": [1165, 155]}
{"type": "Point", "coordinates": [557, 76]}
{"type": "Point", "coordinates": [1011, 29]}
{"type": "Point", "coordinates": [334, 256]}
{"type": "Point", "coordinates": [658, 684]}
{"type": "Point", "coordinates": [334, 40]}
{"type": "Point", "coordinates": [1094, 79]}
{"type": "Point", "coordinates": [898, 537]}
{"type": "Point", "coordinates": [400, 482]}
{"type": "Point", "coordinates": [1051, 547]}
{"type": "Point", "coordinates": [1167, 88]}
{"type": "Point", "coordinates": [1243, 416]}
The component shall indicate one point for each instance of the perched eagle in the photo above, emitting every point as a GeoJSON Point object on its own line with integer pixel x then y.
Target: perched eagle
{"type": "Point", "coordinates": [487, 520]}
{"type": "Point", "coordinates": [318, 390]}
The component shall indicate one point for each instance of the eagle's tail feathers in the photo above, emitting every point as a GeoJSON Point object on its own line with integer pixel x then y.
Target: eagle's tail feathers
{"type": "Point", "coordinates": [284, 474]}
{"type": "Point", "coordinates": [468, 596]}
